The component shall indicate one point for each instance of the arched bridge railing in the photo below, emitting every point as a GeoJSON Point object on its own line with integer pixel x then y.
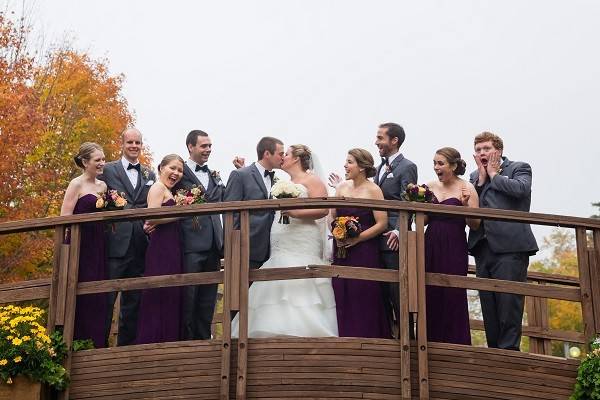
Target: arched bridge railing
{"type": "Point", "coordinates": [340, 367]}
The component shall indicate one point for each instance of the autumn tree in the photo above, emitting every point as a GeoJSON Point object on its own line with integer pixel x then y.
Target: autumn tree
{"type": "Point", "coordinates": [48, 107]}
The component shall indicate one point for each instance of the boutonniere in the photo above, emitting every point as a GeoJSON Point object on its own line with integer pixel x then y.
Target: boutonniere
{"type": "Point", "coordinates": [388, 168]}
{"type": "Point", "coordinates": [145, 173]}
{"type": "Point", "coordinates": [216, 175]}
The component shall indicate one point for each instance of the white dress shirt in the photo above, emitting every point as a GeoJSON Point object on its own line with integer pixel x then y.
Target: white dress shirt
{"type": "Point", "coordinates": [266, 179]}
{"type": "Point", "coordinates": [201, 175]}
{"type": "Point", "coordinates": [132, 174]}
{"type": "Point", "coordinates": [390, 160]}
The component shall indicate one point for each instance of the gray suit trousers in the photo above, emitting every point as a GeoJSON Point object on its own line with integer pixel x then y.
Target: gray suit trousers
{"type": "Point", "coordinates": [502, 312]}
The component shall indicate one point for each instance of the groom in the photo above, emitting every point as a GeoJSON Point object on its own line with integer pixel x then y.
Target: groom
{"type": "Point", "coordinates": [254, 183]}
{"type": "Point", "coordinates": [202, 238]}
{"type": "Point", "coordinates": [126, 240]}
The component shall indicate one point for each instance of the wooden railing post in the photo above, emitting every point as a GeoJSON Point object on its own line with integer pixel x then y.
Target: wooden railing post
{"type": "Point", "coordinates": [587, 309]}
{"type": "Point", "coordinates": [422, 351]}
{"type": "Point", "coordinates": [594, 262]}
{"type": "Point", "coordinates": [403, 319]}
{"type": "Point", "coordinates": [59, 234]}
{"type": "Point", "coordinates": [71, 298]}
{"type": "Point", "coordinates": [537, 316]}
{"type": "Point", "coordinates": [226, 323]}
{"type": "Point", "coordinates": [242, 364]}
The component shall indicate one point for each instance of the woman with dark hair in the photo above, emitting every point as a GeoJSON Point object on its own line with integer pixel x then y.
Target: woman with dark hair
{"type": "Point", "coordinates": [446, 250]}
{"type": "Point", "coordinates": [359, 303]}
{"type": "Point", "coordinates": [160, 309]}
{"type": "Point", "coordinates": [80, 198]}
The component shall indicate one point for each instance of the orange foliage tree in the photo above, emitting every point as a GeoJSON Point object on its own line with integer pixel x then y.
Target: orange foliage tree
{"type": "Point", "coordinates": [48, 107]}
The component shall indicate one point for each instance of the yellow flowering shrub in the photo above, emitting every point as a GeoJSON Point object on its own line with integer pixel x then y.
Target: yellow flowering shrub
{"type": "Point", "coordinates": [27, 349]}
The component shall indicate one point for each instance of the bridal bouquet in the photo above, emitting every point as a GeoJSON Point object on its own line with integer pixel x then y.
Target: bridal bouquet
{"type": "Point", "coordinates": [344, 228]}
{"type": "Point", "coordinates": [111, 200]}
{"type": "Point", "coordinates": [285, 190]}
{"type": "Point", "coordinates": [186, 197]}
{"type": "Point", "coordinates": [420, 193]}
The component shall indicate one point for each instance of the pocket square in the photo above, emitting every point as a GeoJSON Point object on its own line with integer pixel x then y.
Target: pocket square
{"type": "Point", "coordinates": [390, 175]}
{"type": "Point", "coordinates": [150, 183]}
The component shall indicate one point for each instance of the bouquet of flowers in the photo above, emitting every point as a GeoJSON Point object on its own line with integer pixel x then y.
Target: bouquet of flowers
{"type": "Point", "coordinates": [193, 195]}
{"type": "Point", "coordinates": [587, 385]}
{"type": "Point", "coordinates": [285, 190]}
{"type": "Point", "coordinates": [186, 197]}
{"type": "Point", "coordinates": [111, 200]}
{"type": "Point", "coordinates": [344, 228]}
{"type": "Point", "coordinates": [420, 193]}
{"type": "Point", "coordinates": [26, 348]}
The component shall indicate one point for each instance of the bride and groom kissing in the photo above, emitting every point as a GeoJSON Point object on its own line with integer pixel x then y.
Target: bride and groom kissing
{"type": "Point", "coordinates": [310, 307]}
{"type": "Point", "coordinates": [302, 307]}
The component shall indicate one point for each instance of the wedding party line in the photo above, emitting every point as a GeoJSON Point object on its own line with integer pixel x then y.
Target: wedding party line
{"type": "Point", "coordinates": [320, 307]}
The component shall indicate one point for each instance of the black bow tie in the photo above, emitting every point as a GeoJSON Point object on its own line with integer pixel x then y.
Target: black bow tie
{"type": "Point", "coordinates": [270, 174]}
{"type": "Point", "coordinates": [203, 168]}
{"type": "Point", "coordinates": [385, 161]}
{"type": "Point", "coordinates": [136, 166]}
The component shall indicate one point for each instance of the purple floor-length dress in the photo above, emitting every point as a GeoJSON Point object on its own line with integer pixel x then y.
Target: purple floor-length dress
{"type": "Point", "coordinates": [446, 253]}
{"type": "Point", "coordinates": [91, 309]}
{"type": "Point", "coordinates": [359, 303]}
{"type": "Point", "coordinates": [160, 309]}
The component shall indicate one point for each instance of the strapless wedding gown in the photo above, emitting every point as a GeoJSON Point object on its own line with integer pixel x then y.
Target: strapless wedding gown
{"type": "Point", "coordinates": [295, 307]}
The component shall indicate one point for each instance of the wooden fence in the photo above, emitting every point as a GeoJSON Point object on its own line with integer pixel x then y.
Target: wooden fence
{"type": "Point", "coordinates": [319, 367]}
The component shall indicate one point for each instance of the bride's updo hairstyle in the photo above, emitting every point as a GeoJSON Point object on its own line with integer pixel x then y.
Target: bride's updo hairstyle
{"type": "Point", "coordinates": [85, 153]}
{"type": "Point", "coordinates": [167, 159]}
{"type": "Point", "coordinates": [304, 155]}
{"type": "Point", "coordinates": [364, 159]}
{"type": "Point", "coordinates": [453, 157]}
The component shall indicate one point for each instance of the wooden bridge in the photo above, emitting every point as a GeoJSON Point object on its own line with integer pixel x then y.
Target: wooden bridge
{"type": "Point", "coordinates": [332, 368]}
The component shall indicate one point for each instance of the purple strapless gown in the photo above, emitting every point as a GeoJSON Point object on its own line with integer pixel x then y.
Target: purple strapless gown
{"type": "Point", "coordinates": [91, 309]}
{"type": "Point", "coordinates": [159, 317]}
{"type": "Point", "coordinates": [359, 303]}
{"type": "Point", "coordinates": [446, 253]}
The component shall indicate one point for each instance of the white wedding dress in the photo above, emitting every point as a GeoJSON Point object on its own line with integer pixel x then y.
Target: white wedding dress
{"type": "Point", "coordinates": [295, 307]}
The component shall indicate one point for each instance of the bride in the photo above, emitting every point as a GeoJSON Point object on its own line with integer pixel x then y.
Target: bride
{"type": "Point", "coordinates": [295, 307]}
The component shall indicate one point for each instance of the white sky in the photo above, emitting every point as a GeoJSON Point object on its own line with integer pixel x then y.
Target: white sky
{"type": "Point", "coordinates": [326, 73]}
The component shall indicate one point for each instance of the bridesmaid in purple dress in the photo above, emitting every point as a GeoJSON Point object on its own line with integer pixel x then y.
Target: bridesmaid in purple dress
{"type": "Point", "coordinates": [446, 250]}
{"type": "Point", "coordinates": [359, 303]}
{"type": "Point", "coordinates": [80, 198]}
{"type": "Point", "coordinates": [160, 309]}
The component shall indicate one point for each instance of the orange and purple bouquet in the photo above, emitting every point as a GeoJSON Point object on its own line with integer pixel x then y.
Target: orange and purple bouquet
{"type": "Point", "coordinates": [343, 228]}
{"type": "Point", "coordinates": [111, 200]}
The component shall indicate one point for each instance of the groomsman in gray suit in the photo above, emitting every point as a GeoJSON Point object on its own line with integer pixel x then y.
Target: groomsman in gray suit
{"type": "Point", "coordinates": [127, 241]}
{"type": "Point", "coordinates": [202, 238]}
{"type": "Point", "coordinates": [501, 249]}
{"type": "Point", "coordinates": [393, 175]}
{"type": "Point", "coordinates": [254, 183]}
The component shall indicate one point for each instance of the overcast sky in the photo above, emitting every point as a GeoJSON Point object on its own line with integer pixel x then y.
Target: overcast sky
{"type": "Point", "coordinates": [326, 73]}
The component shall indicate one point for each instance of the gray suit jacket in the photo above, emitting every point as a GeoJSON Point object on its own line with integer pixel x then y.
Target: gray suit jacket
{"type": "Point", "coordinates": [247, 184]}
{"type": "Point", "coordinates": [393, 184]}
{"type": "Point", "coordinates": [208, 232]}
{"type": "Point", "coordinates": [509, 190]}
{"type": "Point", "coordinates": [121, 234]}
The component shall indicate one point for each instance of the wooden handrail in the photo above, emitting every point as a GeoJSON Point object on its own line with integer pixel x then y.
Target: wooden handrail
{"type": "Point", "coordinates": [287, 204]}
{"type": "Point", "coordinates": [543, 277]}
